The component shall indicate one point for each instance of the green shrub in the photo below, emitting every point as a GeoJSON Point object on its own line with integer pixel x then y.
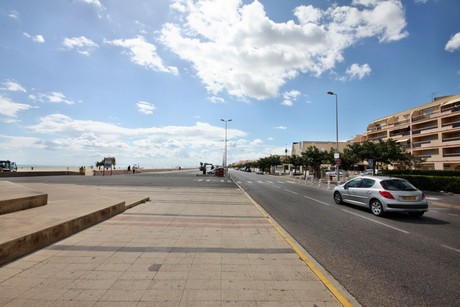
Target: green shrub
{"type": "Point", "coordinates": [433, 183]}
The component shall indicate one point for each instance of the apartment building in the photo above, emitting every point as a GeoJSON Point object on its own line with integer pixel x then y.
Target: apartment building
{"type": "Point", "coordinates": [430, 132]}
{"type": "Point", "coordinates": [299, 147]}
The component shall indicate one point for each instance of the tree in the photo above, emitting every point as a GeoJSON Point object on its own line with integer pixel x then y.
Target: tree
{"type": "Point", "coordinates": [267, 163]}
{"type": "Point", "coordinates": [295, 161]}
{"type": "Point", "coordinates": [313, 157]}
{"type": "Point", "coordinates": [386, 152]}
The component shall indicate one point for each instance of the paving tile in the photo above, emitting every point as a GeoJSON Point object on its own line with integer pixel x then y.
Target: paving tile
{"type": "Point", "coordinates": [184, 248]}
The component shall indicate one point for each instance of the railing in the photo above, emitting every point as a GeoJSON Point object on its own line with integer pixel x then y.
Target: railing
{"type": "Point", "coordinates": [451, 154]}
{"type": "Point", "coordinates": [417, 131]}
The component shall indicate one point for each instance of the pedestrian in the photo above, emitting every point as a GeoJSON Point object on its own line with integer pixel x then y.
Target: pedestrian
{"type": "Point", "coordinates": [129, 169]}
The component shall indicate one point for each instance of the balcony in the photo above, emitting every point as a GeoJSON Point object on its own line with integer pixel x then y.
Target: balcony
{"type": "Point", "coordinates": [417, 129]}
{"type": "Point", "coordinates": [451, 136]}
{"type": "Point", "coordinates": [451, 152]}
{"type": "Point", "coordinates": [428, 153]}
{"type": "Point", "coordinates": [453, 121]}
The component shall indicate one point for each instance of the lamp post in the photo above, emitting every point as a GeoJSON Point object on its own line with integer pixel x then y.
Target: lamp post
{"type": "Point", "coordinates": [225, 150]}
{"type": "Point", "coordinates": [336, 133]}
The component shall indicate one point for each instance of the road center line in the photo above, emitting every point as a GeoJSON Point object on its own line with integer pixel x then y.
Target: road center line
{"type": "Point", "coordinates": [318, 201]}
{"type": "Point", "coordinates": [383, 224]}
{"type": "Point", "coordinates": [275, 186]}
{"type": "Point", "coordinates": [291, 191]}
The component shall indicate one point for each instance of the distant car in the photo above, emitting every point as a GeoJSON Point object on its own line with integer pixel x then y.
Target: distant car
{"type": "Point", "coordinates": [368, 172]}
{"type": "Point", "coordinates": [334, 173]}
{"type": "Point", "coordinates": [382, 194]}
{"type": "Point", "coordinates": [259, 172]}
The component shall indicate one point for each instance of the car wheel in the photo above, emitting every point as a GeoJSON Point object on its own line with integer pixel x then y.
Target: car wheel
{"type": "Point", "coordinates": [376, 207]}
{"type": "Point", "coordinates": [338, 198]}
{"type": "Point", "coordinates": [416, 214]}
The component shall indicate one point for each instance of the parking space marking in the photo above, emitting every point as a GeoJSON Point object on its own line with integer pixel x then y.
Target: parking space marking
{"type": "Point", "coordinates": [383, 224]}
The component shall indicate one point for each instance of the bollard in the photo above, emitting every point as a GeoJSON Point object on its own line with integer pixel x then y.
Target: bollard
{"type": "Point", "coordinates": [319, 183]}
{"type": "Point", "coordinates": [328, 184]}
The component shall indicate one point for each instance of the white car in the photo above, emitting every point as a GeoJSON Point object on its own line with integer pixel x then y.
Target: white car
{"type": "Point", "coordinates": [382, 194]}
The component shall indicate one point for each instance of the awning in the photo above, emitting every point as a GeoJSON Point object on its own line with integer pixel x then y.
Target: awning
{"type": "Point", "coordinates": [402, 141]}
{"type": "Point", "coordinates": [450, 102]}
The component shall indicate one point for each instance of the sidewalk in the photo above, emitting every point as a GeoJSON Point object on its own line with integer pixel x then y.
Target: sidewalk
{"type": "Point", "coordinates": [186, 247]}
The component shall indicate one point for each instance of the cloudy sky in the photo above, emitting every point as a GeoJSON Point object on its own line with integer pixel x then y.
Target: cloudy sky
{"type": "Point", "coordinates": [149, 81]}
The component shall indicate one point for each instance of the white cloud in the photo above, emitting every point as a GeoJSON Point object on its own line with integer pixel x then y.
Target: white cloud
{"type": "Point", "coordinates": [454, 43]}
{"type": "Point", "coordinates": [53, 97]}
{"type": "Point", "coordinates": [235, 47]}
{"type": "Point", "coordinates": [290, 97]}
{"type": "Point", "coordinates": [421, 1]}
{"type": "Point", "coordinates": [81, 44]}
{"type": "Point", "coordinates": [13, 87]}
{"type": "Point", "coordinates": [215, 99]}
{"type": "Point", "coordinates": [95, 3]}
{"type": "Point", "coordinates": [10, 108]}
{"type": "Point", "coordinates": [144, 54]}
{"type": "Point", "coordinates": [145, 107]}
{"type": "Point", "coordinates": [200, 142]}
{"type": "Point", "coordinates": [281, 127]}
{"type": "Point", "coordinates": [357, 71]}
{"type": "Point", "coordinates": [13, 14]}
{"type": "Point", "coordinates": [37, 38]}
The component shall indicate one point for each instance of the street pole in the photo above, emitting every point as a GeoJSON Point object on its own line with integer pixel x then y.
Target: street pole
{"type": "Point", "coordinates": [225, 150]}
{"type": "Point", "coordinates": [336, 134]}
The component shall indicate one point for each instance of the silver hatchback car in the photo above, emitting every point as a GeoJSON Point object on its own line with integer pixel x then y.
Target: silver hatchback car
{"type": "Point", "coordinates": [382, 194]}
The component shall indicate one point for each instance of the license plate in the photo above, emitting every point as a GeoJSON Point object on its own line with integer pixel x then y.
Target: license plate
{"type": "Point", "coordinates": [409, 197]}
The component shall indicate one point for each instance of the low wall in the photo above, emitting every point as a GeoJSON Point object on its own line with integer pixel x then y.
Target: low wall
{"type": "Point", "coordinates": [138, 171]}
{"type": "Point", "coordinates": [39, 173]}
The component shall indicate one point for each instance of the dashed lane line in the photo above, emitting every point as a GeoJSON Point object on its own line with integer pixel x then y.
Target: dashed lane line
{"type": "Point", "coordinates": [380, 223]}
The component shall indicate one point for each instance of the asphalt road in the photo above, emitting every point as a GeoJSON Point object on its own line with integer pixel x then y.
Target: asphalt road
{"type": "Point", "coordinates": [397, 260]}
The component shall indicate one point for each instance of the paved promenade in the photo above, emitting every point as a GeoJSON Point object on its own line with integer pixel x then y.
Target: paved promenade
{"type": "Point", "coordinates": [184, 247]}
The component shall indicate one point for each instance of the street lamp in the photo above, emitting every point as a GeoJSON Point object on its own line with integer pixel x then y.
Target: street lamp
{"type": "Point", "coordinates": [336, 133]}
{"type": "Point", "coordinates": [225, 151]}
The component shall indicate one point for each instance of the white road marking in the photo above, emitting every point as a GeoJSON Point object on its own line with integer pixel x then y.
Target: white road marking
{"type": "Point", "coordinates": [451, 248]}
{"type": "Point", "coordinates": [383, 224]}
{"type": "Point", "coordinates": [318, 201]}
{"type": "Point", "coordinates": [452, 214]}
{"type": "Point", "coordinates": [291, 191]}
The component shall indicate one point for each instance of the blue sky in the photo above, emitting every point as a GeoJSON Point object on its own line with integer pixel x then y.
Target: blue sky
{"type": "Point", "coordinates": [148, 81]}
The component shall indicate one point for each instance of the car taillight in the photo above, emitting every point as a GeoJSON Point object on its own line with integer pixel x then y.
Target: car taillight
{"type": "Point", "coordinates": [386, 194]}
{"type": "Point", "coordinates": [423, 195]}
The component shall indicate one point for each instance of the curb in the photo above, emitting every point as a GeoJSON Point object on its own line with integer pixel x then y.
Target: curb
{"type": "Point", "coordinates": [341, 295]}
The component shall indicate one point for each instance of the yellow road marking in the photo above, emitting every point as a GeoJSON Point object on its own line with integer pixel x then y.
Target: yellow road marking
{"type": "Point", "coordinates": [338, 295]}
{"type": "Point", "coordinates": [444, 205]}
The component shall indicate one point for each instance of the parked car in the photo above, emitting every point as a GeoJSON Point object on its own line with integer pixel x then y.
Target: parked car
{"type": "Point", "coordinates": [8, 166]}
{"type": "Point", "coordinates": [368, 172]}
{"type": "Point", "coordinates": [259, 172]}
{"type": "Point", "coordinates": [382, 194]}
{"type": "Point", "coordinates": [334, 173]}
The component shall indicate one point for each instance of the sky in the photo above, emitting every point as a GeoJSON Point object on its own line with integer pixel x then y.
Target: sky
{"type": "Point", "coordinates": [149, 82]}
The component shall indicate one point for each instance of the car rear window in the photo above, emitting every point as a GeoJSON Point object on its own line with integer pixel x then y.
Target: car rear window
{"type": "Point", "coordinates": [397, 185]}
